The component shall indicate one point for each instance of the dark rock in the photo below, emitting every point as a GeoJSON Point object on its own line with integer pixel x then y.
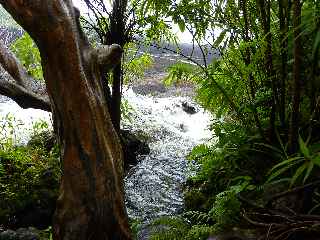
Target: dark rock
{"type": "Point", "coordinates": [132, 147]}
{"type": "Point", "coordinates": [20, 234]}
{"type": "Point", "coordinates": [38, 214]}
{"type": "Point", "coordinates": [149, 88]}
{"type": "Point", "coordinates": [188, 108]}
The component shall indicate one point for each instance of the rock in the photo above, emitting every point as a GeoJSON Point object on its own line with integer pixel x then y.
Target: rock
{"type": "Point", "coordinates": [132, 147]}
{"type": "Point", "coordinates": [150, 88]}
{"type": "Point", "coordinates": [36, 214]}
{"type": "Point", "coordinates": [183, 128]}
{"type": "Point", "coordinates": [188, 108]}
{"type": "Point", "coordinates": [20, 234]}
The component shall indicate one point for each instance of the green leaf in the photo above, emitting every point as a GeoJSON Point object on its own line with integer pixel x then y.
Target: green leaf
{"type": "Point", "coordinates": [279, 172]}
{"type": "Point", "coordinates": [298, 173]}
{"type": "Point", "coordinates": [270, 147]}
{"type": "Point", "coordinates": [316, 160]}
{"type": "Point", "coordinates": [290, 160]}
{"type": "Point", "coordinates": [182, 25]}
{"type": "Point", "coordinates": [316, 46]}
{"type": "Point", "coordinates": [303, 148]}
{"type": "Point", "coordinates": [219, 39]}
{"type": "Point", "coordinates": [309, 170]}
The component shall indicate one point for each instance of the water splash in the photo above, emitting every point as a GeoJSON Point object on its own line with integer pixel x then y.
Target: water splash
{"type": "Point", "coordinates": [154, 186]}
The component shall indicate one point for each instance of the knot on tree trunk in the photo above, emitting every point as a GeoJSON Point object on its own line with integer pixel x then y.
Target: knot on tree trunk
{"type": "Point", "coordinates": [108, 55]}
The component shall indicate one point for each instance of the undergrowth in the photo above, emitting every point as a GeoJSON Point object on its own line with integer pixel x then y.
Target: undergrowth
{"type": "Point", "coordinates": [29, 174]}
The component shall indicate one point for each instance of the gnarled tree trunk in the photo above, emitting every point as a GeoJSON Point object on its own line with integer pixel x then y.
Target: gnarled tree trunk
{"type": "Point", "coordinates": [91, 204]}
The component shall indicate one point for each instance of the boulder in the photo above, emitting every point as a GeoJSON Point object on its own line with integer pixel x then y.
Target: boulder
{"type": "Point", "coordinates": [133, 146]}
{"type": "Point", "coordinates": [149, 88]}
{"type": "Point", "coordinates": [189, 108]}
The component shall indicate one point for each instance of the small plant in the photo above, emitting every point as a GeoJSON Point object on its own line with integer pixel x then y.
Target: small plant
{"type": "Point", "coordinates": [302, 165]}
{"type": "Point", "coordinates": [8, 136]}
{"type": "Point", "coordinates": [135, 225]}
{"type": "Point", "coordinates": [168, 228]}
{"type": "Point", "coordinates": [226, 208]}
{"type": "Point", "coordinates": [126, 110]}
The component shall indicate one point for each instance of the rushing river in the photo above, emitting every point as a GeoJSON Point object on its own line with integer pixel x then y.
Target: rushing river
{"type": "Point", "coordinates": [153, 187]}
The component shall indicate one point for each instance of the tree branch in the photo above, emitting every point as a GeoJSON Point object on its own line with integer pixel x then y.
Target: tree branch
{"type": "Point", "coordinates": [20, 89]}
{"type": "Point", "coordinates": [108, 56]}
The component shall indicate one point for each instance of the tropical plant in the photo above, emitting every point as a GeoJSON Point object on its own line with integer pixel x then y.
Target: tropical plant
{"type": "Point", "coordinates": [301, 166]}
{"type": "Point", "coordinates": [27, 52]}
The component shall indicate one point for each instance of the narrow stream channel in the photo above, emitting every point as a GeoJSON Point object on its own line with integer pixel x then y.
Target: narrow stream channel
{"type": "Point", "coordinates": [153, 187]}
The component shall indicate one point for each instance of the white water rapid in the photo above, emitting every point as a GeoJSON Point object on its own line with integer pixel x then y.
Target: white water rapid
{"type": "Point", "coordinates": [153, 186]}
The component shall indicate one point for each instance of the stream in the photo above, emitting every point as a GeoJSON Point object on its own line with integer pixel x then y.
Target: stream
{"type": "Point", "coordinates": [154, 186]}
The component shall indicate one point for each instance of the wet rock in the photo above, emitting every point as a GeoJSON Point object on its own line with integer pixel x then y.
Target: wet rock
{"type": "Point", "coordinates": [151, 88]}
{"type": "Point", "coordinates": [188, 108]}
{"type": "Point", "coordinates": [20, 234]}
{"type": "Point", "coordinates": [37, 214]}
{"type": "Point", "coordinates": [132, 147]}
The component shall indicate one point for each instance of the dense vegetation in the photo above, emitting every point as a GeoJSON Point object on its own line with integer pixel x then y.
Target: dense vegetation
{"type": "Point", "coordinates": [261, 170]}
{"type": "Point", "coordinates": [259, 175]}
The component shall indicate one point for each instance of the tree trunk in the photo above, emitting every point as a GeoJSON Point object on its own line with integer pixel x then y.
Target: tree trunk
{"type": "Point", "coordinates": [294, 124]}
{"type": "Point", "coordinates": [283, 23]}
{"type": "Point", "coordinates": [117, 35]}
{"type": "Point", "coordinates": [91, 203]}
{"type": "Point", "coordinates": [247, 60]}
{"type": "Point", "coordinates": [265, 11]}
{"type": "Point", "coordinates": [116, 96]}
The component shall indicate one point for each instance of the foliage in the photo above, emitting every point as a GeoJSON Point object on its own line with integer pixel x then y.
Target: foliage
{"type": "Point", "coordinates": [23, 180]}
{"type": "Point", "coordinates": [226, 208]}
{"type": "Point", "coordinates": [28, 174]}
{"type": "Point", "coordinates": [126, 110]}
{"type": "Point", "coordinates": [166, 228]}
{"type": "Point", "coordinates": [8, 136]}
{"type": "Point", "coordinates": [303, 165]}
{"type": "Point", "coordinates": [135, 225]}
{"type": "Point", "coordinates": [135, 64]}
{"type": "Point", "coordinates": [180, 72]}
{"type": "Point", "coordinates": [28, 54]}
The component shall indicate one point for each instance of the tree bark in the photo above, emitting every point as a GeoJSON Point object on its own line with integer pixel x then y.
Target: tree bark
{"type": "Point", "coordinates": [110, 32]}
{"type": "Point", "coordinates": [247, 60]}
{"type": "Point", "coordinates": [297, 54]}
{"type": "Point", "coordinates": [116, 97]}
{"type": "Point", "coordinates": [117, 34]}
{"type": "Point", "coordinates": [91, 203]}
{"type": "Point", "coordinates": [17, 84]}
{"type": "Point", "coordinates": [283, 24]}
{"type": "Point", "coordinates": [265, 11]}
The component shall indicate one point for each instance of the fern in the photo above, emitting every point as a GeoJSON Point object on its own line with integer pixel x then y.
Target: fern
{"type": "Point", "coordinates": [180, 72]}
{"type": "Point", "coordinates": [200, 232]}
{"type": "Point", "coordinates": [169, 228]}
{"type": "Point", "coordinates": [198, 217]}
